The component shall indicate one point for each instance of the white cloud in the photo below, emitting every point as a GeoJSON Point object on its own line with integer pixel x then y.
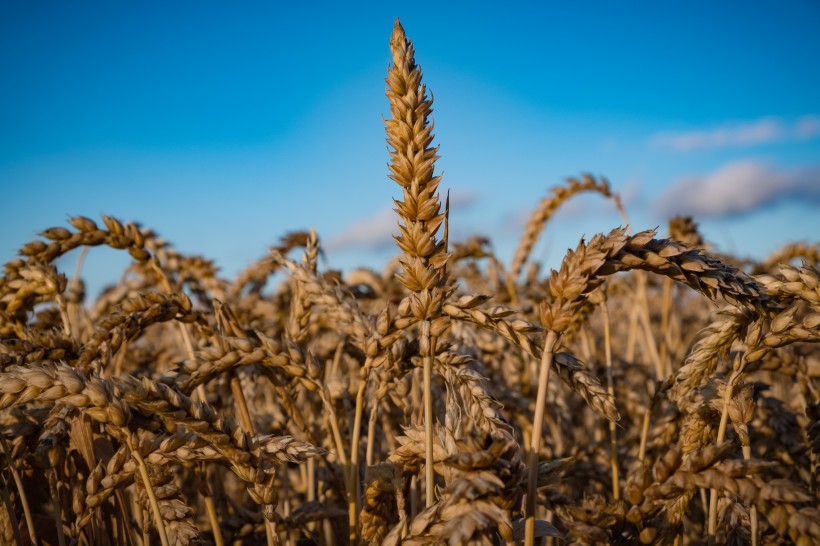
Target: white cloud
{"type": "Point", "coordinates": [374, 232]}
{"type": "Point", "coordinates": [808, 127]}
{"type": "Point", "coordinates": [463, 198]}
{"type": "Point", "coordinates": [762, 131]}
{"type": "Point", "coordinates": [738, 188]}
{"type": "Point", "coordinates": [740, 134]}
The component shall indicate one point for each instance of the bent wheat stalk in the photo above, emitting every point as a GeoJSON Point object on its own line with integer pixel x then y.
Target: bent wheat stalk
{"type": "Point", "coordinates": [541, 215]}
{"type": "Point", "coordinates": [535, 443]}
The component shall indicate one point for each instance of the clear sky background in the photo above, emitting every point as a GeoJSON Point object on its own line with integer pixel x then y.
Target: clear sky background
{"type": "Point", "coordinates": [224, 127]}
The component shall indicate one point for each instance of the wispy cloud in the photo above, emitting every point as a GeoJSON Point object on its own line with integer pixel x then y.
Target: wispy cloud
{"type": "Point", "coordinates": [762, 131]}
{"type": "Point", "coordinates": [376, 232]}
{"type": "Point", "coordinates": [808, 127]}
{"type": "Point", "coordinates": [462, 198]}
{"type": "Point", "coordinates": [373, 232]}
{"type": "Point", "coordinates": [738, 188]}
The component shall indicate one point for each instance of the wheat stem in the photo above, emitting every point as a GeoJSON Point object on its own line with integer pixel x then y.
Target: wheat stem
{"type": "Point", "coordinates": [371, 432]}
{"type": "Point", "coordinates": [149, 489]}
{"type": "Point", "coordinates": [21, 491]}
{"type": "Point", "coordinates": [353, 471]}
{"type": "Point", "coordinates": [535, 441]}
{"type": "Point", "coordinates": [721, 435]}
{"type": "Point", "coordinates": [429, 478]}
{"type": "Point", "coordinates": [610, 383]}
{"type": "Point", "coordinates": [15, 526]}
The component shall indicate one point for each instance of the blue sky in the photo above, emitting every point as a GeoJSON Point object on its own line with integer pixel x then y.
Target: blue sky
{"type": "Point", "coordinates": [222, 128]}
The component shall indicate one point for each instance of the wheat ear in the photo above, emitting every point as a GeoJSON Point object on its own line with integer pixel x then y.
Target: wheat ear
{"type": "Point", "coordinates": [541, 215]}
{"type": "Point", "coordinates": [410, 135]}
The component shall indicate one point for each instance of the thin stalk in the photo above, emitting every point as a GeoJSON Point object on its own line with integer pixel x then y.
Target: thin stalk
{"type": "Point", "coordinates": [290, 536]}
{"type": "Point", "coordinates": [371, 431]}
{"type": "Point", "coordinates": [631, 335]}
{"type": "Point", "coordinates": [415, 409]}
{"type": "Point", "coordinates": [746, 446]}
{"type": "Point", "coordinates": [747, 454]}
{"type": "Point", "coordinates": [337, 438]}
{"type": "Point", "coordinates": [610, 387]}
{"type": "Point", "coordinates": [75, 308]}
{"type": "Point", "coordinates": [428, 416]}
{"type": "Point", "coordinates": [643, 315]}
{"type": "Point", "coordinates": [327, 532]}
{"type": "Point", "coordinates": [665, 335]}
{"type": "Point", "coordinates": [115, 531]}
{"type": "Point", "coordinates": [352, 515]}
{"type": "Point", "coordinates": [21, 492]}
{"type": "Point", "coordinates": [247, 425]}
{"type": "Point", "coordinates": [119, 501]}
{"type": "Point", "coordinates": [210, 507]}
{"type": "Point", "coordinates": [64, 315]}
{"type": "Point", "coordinates": [189, 349]}
{"type": "Point", "coordinates": [401, 500]}
{"type": "Point", "coordinates": [334, 427]}
{"type": "Point", "coordinates": [415, 500]}
{"type": "Point", "coordinates": [647, 415]}
{"type": "Point", "coordinates": [152, 499]}
{"type": "Point", "coordinates": [58, 510]}
{"type": "Point", "coordinates": [527, 373]}
{"type": "Point", "coordinates": [15, 526]}
{"type": "Point", "coordinates": [354, 443]}
{"type": "Point", "coordinates": [619, 206]}
{"type": "Point", "coordinates": [705, 503]}
{"type": "Point", "coordinates": [119, 361]}
{"type": "Point", "coordinates": [510, 285]}
{"type": "Point", "coordinates": [309, 479]}
{"type": "Point", "coordinates": [337, 356]}
{"type": "Point", "coordinates": [721, 434]}
{"type": "Point", "coordinates": [303, 481]}
{"type": "Point", "coordinates": [121, 535]}
{"type": "Point", "coordinates": [535, 442]}
{"type": "Point", "coordinates": [389, 433]}
{"type": "Point", "coordinates": [241, 404]}
{"type": "Point", "coordinates": [78, 268]}
{"type": "Point", "coordinates": [270, 533]}
{"type": "Point", "coordinates": [586, 344]}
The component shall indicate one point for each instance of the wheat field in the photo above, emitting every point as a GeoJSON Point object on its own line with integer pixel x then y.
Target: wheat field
{"type": "Point", "coordinates": [649, 391]}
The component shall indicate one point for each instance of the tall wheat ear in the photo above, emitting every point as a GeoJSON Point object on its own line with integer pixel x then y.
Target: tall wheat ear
{"type": "Point", "coordinates": [412, 158]}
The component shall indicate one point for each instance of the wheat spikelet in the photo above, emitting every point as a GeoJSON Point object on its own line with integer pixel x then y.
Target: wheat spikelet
{"type": "Point", "coordinates": [685, 230]}
{"type": "Point", "coordinates": [410, 135]}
